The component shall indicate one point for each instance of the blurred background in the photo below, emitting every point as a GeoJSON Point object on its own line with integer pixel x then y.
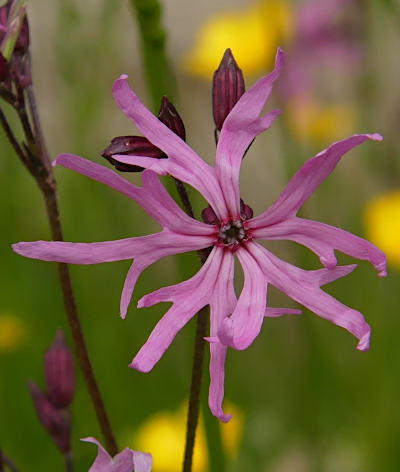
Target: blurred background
{"type": "Point", "coordinates": [304, 399]}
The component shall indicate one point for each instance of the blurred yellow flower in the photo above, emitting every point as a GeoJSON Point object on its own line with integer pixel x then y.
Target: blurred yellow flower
{"type": "Point", "coordinates": [382, 224]}
{"type": "Point", "coordinates": [253, 34]}
{"type": "Point", "coordinates": [12, 332]}
{"type": "Point", "coordinates": [318, 122]}
{"type": "Point", "coordinates": [163, 435]}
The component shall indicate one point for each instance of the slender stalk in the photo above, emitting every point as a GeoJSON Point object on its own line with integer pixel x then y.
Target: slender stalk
{"type": "Point", "coordinates": [13, 140]}
{"type": "Point", "coordinates": [159, 75]}
{"type": "Point", "coordinates": [195, 388]}
{"type": "Point", "coordinates": [35, 158]}
{"type": "Point", "coordinates": [50, 197]}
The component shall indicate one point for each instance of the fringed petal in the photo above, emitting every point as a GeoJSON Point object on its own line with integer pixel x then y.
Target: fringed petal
{"type": "Point", "coordinates": [222, 304]}
{"type": "Point", "coordinates": [182, 162]}
{"type": "Point", "coordinates": [152, 196]}
{"type": "Point", "coordinates": [304, 287]}
{"type": "Point", "coordinates": [307, 180]}
{"type": "Point", "coordinates": [185, 306]}
{"type": "Point", "coordinates": [240, 330]}
{"type": "Point", "coordinates": [323, 239]}
{"type": "Point", "coordinates": [240, 127]}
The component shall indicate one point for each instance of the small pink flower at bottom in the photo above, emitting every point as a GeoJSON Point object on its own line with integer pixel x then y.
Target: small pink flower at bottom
{"type": "Point", "coordinates": [125, 461]}
{"type": "Point", "coordinates": [231, 233]}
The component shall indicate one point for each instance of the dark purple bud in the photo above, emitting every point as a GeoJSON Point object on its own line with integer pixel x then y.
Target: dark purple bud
{"type": "Point", "coordinates": [228, 87]}
{"type": "Point", "coordinates": [246, 212]}
{"type": "Point", "coordinates": [134, 145]}
{"type": "Point", "coordinates": [55, 422]}
{"type": "Point", "coordinates": [59, 372]}
{"type": "Point", "coordinates": [209, 216]}
{"type": "Point", "coordinates": [170, 117]}
{"type": "Point", "coordinates": [3, 68]}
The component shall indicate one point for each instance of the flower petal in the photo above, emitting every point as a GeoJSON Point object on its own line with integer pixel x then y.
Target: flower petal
{"type": "Point", "coordinates": [303, 286]}
{"type": "Point", "coordinates": [125, 461]}
{"type": "Point", "coordinates": [164, 243]}
{"type": "Point", "coordinates": [240, 330]}
{"type": "Point", "coordinates": [184, 307]}
{"type": "Point", "coordinates": [222, 304]}
{"type": "Point", "coordinates": [182, 162]}
{"type": "Point", "coordinates": [103, 461]}
{"type": "Point", "coordinates": [307, 179]}
{"type": "Point", "coordinates": [152, 196]}
{"type": "Point", "coordinates": [240, 127]}
{"type": "Point", "coordinates": [323, 240]}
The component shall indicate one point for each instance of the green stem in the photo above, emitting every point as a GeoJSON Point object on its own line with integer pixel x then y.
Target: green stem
{"type": "Point", "coordinates": [159, 75]}
{"type": "Point", "coordinates": [195, 387]}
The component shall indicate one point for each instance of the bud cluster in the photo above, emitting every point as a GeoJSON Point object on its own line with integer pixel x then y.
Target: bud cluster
{"type": "Point", "coordinates": [14, 44]}
{"type": "Point", "coordinates": [52, 407]}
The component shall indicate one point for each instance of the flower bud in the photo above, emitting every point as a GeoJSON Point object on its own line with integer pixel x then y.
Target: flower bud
{"type": "Point", "coordinates": [55, 422]}
{"type": "Point", "coordinates": [59, 372]}
{"type": "Point", "coordinates": [134, 145]}
{"type": "Point", "coordinates": [246, 212]}
{"type": "Point", "coordinates": [208, 215]}
{"type": "Point", "coordinates": [170, 117]}
{"type": "Point", "coordinates": [228, 87]}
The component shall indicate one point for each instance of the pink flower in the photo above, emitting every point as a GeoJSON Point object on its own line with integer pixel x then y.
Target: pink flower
{"type": "Point", "coordinates": [233, 232]}
{"type": "Point", "coordinates": [126, 461]}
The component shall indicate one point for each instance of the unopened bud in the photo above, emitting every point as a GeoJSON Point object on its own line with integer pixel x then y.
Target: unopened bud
{"type": "Point", "coordinates": [55, 422]}
{"type": "Point", "coordinates": [59, 372]}
{"type": "Point", "coordinates": [134, 145]}
{"type": "Point", "coordinates": [170, 117]}
{"type": "Point", "coordinates": [228, 87]}
{"type": "Point", "coordinates": [14, 31]}
{"type": "Point", "coordinates": [209, 216]}
{"type": "Point", "coordinates": [246, 212]}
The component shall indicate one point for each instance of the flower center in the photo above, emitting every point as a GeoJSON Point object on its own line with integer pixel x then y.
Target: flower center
{"type": "Point", "coordinates": [232, 233]}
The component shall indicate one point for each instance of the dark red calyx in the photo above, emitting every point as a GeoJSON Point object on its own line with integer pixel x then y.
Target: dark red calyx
{"type": "Point", "coordinates": [246, 212]}
{"type": "Point", "coordinates": [228, 87]}
{"type": "Point", "coordinates": [60, 372]}
{"type": "Point", "coordinates": [56, 422]}
{"type": "Point", "coordinates": [208, 215]}
{"type": "Point", "coordinates": [131, 145]}
{"type": "Point", "coordinates": [170, 117]}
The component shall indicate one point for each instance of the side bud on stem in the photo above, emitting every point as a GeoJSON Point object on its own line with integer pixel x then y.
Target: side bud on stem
{"type": "Point", "coordinates": [60, 372]}
{"type": "Point", "coordinates": [52, 408]}
{"type": "Point", "coordinates": [140, 146]}
{"type": "Point", "coordinates": [228, 87]}
{"type": "Point", "coordinates": [56, 422]}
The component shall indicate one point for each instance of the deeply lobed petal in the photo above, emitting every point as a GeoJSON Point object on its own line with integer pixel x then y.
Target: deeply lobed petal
{"type": "Point", "coordinates": [240, 329]}
{"type": "Point", "coordinates": [152, 196]}
{"type": "Point", "coordinates": [240, 127]}
{"type": "Point", "coordinates": [145, 250]}
{"type": "Point", "coordinates": [304, 287]}
{"type": "Point", "coordinates": [164, 243]}
{"type": "Point", "coordinates": [323, 239]}
{"type": "Point", "coordinates": [184, 307]}
{"type": "Point", "coordinates": [222, 303]}
{"type": "Point", "coordinates": [307, 180]}
{"type": "Point", "coordinates": [183, 163]}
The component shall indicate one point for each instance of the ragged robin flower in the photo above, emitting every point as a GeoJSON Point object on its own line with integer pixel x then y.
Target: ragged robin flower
{"type": "Point", "coordinates": [127, 460]}
{"type": "Point", "coordinates": [230, 231]}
